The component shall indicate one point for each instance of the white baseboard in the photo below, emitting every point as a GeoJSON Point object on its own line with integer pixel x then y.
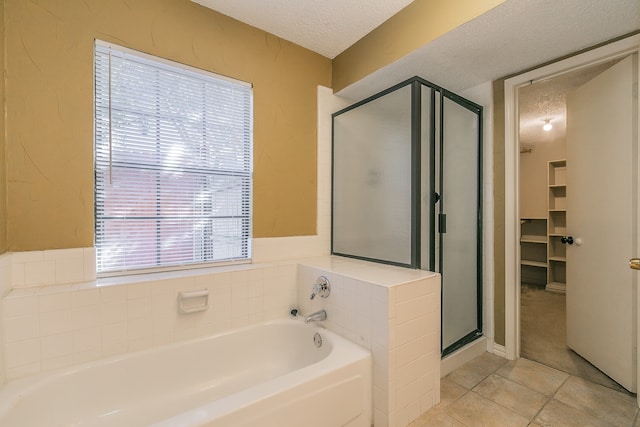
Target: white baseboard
{"type": "Point", "coordinates": [499, 350]}
{"type": "Point", "coordinates": [560, 288]}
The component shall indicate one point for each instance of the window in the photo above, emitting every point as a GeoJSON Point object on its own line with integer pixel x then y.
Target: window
{"type": "Point", "coordinates": [173, 166]}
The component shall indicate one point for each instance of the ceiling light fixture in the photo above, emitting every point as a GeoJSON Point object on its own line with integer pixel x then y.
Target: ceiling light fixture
{"type": "Point", "coordinates": [547, 126]}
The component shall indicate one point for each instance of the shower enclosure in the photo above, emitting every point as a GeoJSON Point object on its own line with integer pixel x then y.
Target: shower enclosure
{"type": "Point", "coordinates": [407, 191]}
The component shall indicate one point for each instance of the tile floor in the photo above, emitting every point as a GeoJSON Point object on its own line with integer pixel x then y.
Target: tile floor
{"type": "Point", "coordinates": [491, 391]}
{"type": "Point", "coordinates": [543, 335]}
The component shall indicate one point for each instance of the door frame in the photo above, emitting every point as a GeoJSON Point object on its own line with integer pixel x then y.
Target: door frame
{"type": "Point", "coordinates": [601, 54]}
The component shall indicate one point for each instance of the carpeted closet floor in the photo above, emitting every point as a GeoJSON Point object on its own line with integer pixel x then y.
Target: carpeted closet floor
{"type": "Point", "coordinates": [543, 332]}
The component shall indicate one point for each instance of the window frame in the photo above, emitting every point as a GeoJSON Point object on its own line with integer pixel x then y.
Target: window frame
{"type": "Point", "coordinates": [245, 198]}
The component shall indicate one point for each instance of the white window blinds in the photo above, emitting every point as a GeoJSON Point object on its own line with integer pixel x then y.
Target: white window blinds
{"type": "Point", "coordinates": [173, 166]}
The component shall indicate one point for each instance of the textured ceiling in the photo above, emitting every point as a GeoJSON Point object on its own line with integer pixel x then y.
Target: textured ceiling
{"type": "Point", "coordinates": [513, 36]}
{"type": "Point", "coordinates": [548, 100]}
{"type": "Point", "coordinates": [327, 26]}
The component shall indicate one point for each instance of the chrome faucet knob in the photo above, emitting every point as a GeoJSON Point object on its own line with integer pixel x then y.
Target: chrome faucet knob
{"type": "Point", "coordinates": [321, 287]}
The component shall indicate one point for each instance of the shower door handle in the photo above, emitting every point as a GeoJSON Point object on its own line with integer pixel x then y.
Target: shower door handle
{"type": "Point", "coordinates": [442, 223]}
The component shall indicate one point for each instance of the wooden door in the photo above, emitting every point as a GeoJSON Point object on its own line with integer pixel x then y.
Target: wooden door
{"type": "Point", "coordinates": [601, 199]}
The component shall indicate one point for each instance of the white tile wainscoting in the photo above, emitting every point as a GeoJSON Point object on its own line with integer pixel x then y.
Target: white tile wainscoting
{"type": "Point", "coordinates": [57, 326]}
{"type": "Point", "coordinates": [392, 311]}
{"type": "Point", "coordinates": [395, 313]}
{"type": "Point", "coordinates": [5, 287]}
{"type": "Point", "coordinates": [52, 267]}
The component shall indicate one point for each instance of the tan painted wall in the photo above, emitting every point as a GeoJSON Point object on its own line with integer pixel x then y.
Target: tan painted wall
{"type": "Point", "coordinates": [3, 164]}
{"type": "Point", "coordinates": [533, 177]}
{"type": "Point", "coordinates": [498, 210]}
{"type": "Point", "coordinates": [49, 102]}
{"type": "Point", "coordinates": [416, 25]}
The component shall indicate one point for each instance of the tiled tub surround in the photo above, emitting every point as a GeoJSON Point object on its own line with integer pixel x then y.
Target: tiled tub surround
{"type": "Point", "coordinates": [5, 281]}
{"type": "Point", "coordinates": [393, 312]}
{"type": "Point", "coordinates": [41, 269]}
{"type": "Point", "coordinates": [58, 326]}
{"type": "Point", "coordinates": [53, 267]}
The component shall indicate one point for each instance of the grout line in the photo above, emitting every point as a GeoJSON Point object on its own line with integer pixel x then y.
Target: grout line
{"type": "Point", "coordinates": [452, 414]}
{"type": "Point", "coordinates": [508, 409]}
{"type": "Point", "coordinates": [445, 408]}
{"type": "Point", "coordinates": [596, 415]}
{"type": "Point", "coordinates": [549, 399]}
{"type": "Point", "coordinates": [512, 410]}
{"type": "Point", "coordinates": [563, 383]}
{"type": "Point", "coordinates": [538, 292]}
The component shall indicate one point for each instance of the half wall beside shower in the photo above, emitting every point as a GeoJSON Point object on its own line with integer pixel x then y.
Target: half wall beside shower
{"type": "Point", "coordinates": [406, 190]}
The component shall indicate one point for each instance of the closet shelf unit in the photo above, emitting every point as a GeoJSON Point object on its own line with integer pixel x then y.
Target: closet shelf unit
{"type": "Point", "coordinates": [533, 251]}
{"type": "Point", "coordinates": [557, 226]}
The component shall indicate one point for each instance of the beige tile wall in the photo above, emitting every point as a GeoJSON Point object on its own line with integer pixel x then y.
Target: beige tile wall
{"type": "Point", "coordinates": [5, 281]}
{"type": "Point", "coordinates": [59, 326]}
{"type": "Point", "coordinates": [53, 267]}
{"type": "Point", "coordinates": [393, 312]}
{"type": "Point", "coordinates": [414, 349]}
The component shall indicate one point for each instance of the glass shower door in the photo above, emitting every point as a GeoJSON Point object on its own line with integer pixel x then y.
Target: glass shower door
{"type": "Point", "coordinates": [459, 218]}
{"type": "Point", "coordinates": [406, 191]}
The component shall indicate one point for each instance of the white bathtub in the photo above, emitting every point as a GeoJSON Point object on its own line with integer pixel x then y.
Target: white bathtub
{"type": "Point", "coordinates": [270, 374]}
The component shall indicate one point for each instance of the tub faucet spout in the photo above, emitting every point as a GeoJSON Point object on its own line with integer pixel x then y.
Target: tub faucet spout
{"type": "Point", "coordinates": [315, 317]}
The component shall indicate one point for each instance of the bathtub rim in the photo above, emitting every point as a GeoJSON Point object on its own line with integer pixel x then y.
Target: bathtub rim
{"type": "Point", "coordinates": [12, 392]}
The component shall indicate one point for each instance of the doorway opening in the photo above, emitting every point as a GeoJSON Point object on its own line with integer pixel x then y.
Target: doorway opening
{"type": "Point", "coordinates": [625, 48]}
{"type": "Point", "coordinates": [544, 230]}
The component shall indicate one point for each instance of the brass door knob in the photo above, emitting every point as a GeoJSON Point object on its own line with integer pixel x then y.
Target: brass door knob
{"type": "Point", "coordinates": [634, 263]}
